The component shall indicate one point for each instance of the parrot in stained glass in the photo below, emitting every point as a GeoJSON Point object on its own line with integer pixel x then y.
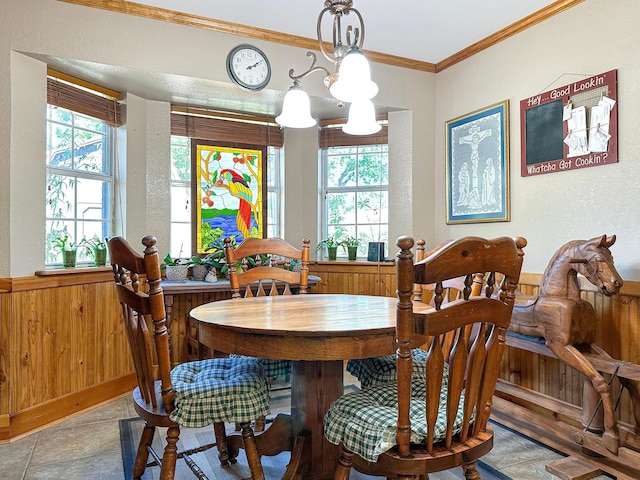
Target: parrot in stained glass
{"type": "Point", "coordinates": [239, 188]}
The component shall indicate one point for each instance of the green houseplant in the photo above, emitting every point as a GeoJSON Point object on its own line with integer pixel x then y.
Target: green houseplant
{"type": "Point", "coordinates": [176, 269]}
{"type": "Point", "coordinates": [351, 244]}
{"type": "Point", "coordinates": [332, 246]}
{"type": "Point", "coordinates": [200, 266]}
{"type": "Point", "coordinates": [97, 249]}
{"type": "Point", "coordinates": [68, 249]}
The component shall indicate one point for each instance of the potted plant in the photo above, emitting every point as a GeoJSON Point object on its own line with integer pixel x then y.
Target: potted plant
{"type": "Point", "coordinates": [67, 248]}
{"type": "Point", "coordinates": [332, 246]}
{"type": "Point", "coordinates": [97, 249]}
{"type": "Point", "coordinates": [200, 266]}
{"type": "Point", "coordinates": [176, 268]}
{"type": "Point", "coordinates": [351, 244]}
{"type": "Point", "coordinates": [216, 256]}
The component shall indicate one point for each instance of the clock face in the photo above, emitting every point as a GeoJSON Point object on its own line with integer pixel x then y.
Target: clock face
{"type": "Point", "coordinates": [248, 67]}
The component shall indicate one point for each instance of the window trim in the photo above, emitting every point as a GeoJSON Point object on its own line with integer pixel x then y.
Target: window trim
{"type": "Point", "coordinates": [325, 189]}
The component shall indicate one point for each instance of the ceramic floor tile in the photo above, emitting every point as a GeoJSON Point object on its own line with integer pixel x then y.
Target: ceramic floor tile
{"type": "Point", "coordinates": [88, 446]}
{"type": "Point", "coordinates": [107, 466]}
{"type": "Point", "coordinates": [15, 456]}
{"type": "Point", "coordinates": [78, 442]}
{"type": "Point", "coordinates": [114, 410]}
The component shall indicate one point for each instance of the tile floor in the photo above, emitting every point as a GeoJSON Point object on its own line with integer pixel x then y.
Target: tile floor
{"type": "Point", "coordinates": [88, 446]}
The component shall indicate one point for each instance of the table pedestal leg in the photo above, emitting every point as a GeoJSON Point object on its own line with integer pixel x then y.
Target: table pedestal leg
{"type": "Point", "coordinates": [314, 385]}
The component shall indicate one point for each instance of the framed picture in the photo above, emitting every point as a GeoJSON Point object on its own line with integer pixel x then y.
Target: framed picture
{"type": "Point", "coordinates": [228, 193]}
{"type": "Point", "coordinates": [477, 166]}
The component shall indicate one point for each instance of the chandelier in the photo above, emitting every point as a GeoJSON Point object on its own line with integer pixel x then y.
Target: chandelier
{"type": "Point", "coordinates": [349, 83]}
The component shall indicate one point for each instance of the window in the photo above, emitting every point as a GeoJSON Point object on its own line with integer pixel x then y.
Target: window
{"type": "Point", "coordinates": [79, 168]}
{"type": "Point", "coordinates": [274, 191]}
{"type": "Point", "coordinates": [355, 193]}
{"type": "Point", "coordinates": [188, 123]}
{"type": "Point", "coordinates": [180, 196]}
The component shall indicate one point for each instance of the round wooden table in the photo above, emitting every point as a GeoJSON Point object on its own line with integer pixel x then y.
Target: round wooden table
{"type": "Point", "coordinates": [317, 332]}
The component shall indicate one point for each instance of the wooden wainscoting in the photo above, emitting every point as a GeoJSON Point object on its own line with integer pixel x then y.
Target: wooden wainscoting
{"type": "Point", "coordinates": [62, 349]}
{"type": "Point", "coordinates": [359, 278]}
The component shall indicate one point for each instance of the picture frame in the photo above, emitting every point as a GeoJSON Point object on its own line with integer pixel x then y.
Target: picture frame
{"type": "Point", "coordinates": [228, 192]}
{"type": "Point", "coordinates": [477, 166]}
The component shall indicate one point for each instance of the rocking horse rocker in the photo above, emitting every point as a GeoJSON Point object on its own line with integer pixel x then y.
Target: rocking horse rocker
{"type": "Point", "coordinates": [566, 321]}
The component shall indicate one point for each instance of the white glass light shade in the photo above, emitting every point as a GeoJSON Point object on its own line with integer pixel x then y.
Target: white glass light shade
{"type": "Point", "coordinates": [362, 119]}
{"type": "Point", "coordinates": [354, 78]}
{"type": "Point", "coordinates": [296, 109]}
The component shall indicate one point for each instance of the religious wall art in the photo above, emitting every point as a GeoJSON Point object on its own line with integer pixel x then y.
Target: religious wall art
{"type": "Point", "coordinates": [477, 166]}
{"type": "Point", "coordinates": [228, 192]}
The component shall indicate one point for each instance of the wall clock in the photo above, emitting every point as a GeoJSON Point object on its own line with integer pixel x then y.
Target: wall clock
{"type": "Point", "coordinates": [248, 67]}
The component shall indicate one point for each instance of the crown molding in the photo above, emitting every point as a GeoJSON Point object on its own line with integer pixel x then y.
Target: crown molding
{"type": "Point", "coordinates": [517, 27]}
{"type": "Point", "coordinates": [173, 16]}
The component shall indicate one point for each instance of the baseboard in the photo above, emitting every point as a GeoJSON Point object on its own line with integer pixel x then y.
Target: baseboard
{"type": "Point", "coordinates": [549, 430]}
{"type": "Point", "coordinates": [32, 419]}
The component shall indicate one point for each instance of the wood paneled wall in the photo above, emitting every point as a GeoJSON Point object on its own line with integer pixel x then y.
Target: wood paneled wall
{"type": "Point", "coordinates": [358, 278]}
{"type": "Point", "coordinates": [179, 315]}
{"type": "Point", "coordinates": [62, 349]}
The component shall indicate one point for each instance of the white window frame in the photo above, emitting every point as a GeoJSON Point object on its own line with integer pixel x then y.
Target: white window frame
{"type": "Point", "coordinates": [75, 174]}
{"type": "Point", "coordinates": [325, 190]}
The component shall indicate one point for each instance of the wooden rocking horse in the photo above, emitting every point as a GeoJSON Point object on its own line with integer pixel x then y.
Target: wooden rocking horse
{"type": "Point", "coordinates": [566, 321]}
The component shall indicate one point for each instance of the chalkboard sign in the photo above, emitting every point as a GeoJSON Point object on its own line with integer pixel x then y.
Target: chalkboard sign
{"type": "Point", "coordinates": [571, 127]}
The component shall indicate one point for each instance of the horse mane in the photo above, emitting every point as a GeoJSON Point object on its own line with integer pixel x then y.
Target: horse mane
{"type": "Point", "coordinates": [560, 252]}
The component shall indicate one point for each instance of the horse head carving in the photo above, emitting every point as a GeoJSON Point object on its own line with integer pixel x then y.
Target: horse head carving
{"type": "Point", "coordinates": [591, 259]}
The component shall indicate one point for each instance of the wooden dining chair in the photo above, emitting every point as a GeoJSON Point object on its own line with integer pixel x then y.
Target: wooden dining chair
{"type": "Point", "coordinates": [412, 427]}
{"type": "Point", "coordinates": [268, 266]}
{"type": "Point", "coordinates": [193, 394]}
{"type": "Point", "coordinates": [379, 370]}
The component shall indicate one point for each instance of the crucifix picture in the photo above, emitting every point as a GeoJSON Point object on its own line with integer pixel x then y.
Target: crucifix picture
{"type": "Point", "coordinates": [478, 166]}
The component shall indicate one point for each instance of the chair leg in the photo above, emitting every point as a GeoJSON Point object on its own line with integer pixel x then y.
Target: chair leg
{"type": "Point", "coordinates": [345, 461]}
{"type": "Point", "coordinates": [222, 445]}
{"type": "Point", "coordinates": [470, 471]}
{"type": "Point", "coordinates": [168, 469]}
{"type": "Point", "coordinates": [259, 424]}
{"type": "Point", "coordinates": [142, 455]}
{"type": "Point", "coordinates": [251, 451]}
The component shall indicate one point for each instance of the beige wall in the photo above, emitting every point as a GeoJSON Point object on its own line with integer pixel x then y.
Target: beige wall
{"type": "Point", "coordinates": [48, 27]}
{"type": "Point", "coordinates": [591, 38]}
{"type": "Point", "coordinates": [594, 37]}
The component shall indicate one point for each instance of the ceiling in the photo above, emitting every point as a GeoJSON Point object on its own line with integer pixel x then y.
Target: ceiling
{"type": "Point", "coordinates": [426, 31]}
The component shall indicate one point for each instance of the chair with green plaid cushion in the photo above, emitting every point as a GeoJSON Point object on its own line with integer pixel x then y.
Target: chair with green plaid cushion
{"type": "Point", "coordinates": [193, 394]}
{"type": "Point", "coordinates": [436, 421]}
{"type": "Point", "coordinates": [380, 370]}
{"type": "Point", "coordinates": [268, 266]}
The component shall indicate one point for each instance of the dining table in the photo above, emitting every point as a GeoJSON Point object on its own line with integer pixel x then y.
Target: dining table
{"type": "Point", "coordinates": [318, 332]}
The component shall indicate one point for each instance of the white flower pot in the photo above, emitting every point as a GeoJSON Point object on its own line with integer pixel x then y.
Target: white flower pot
{"type": "Point", "coordinates": [177, 273]}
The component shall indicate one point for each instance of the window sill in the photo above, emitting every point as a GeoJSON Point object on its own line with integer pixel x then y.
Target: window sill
{"type": "Point", "coordinates": [73, 270]}
{"type": "Point", "coordinates": [344, 261]}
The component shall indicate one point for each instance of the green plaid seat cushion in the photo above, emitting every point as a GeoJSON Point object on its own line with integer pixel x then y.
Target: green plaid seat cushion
{"type": "Point", "coordinates": [273, 369]}
{"type": "Point", "coordinates": [219, 390]}
{"type": "Point", "coordinates": [276, 369]}
{"type": "Point", "coordinates": [380, 370]}
{"type": "Point", "coordinates": [365, 421]}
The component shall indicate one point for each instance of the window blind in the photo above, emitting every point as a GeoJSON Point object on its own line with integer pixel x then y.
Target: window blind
{"type": "Point", "coordinates": [246, 130]}
{"type": "Point", "coordinates": [333, 136]}
{"type": "Point", "coordinates": [81, 100]}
